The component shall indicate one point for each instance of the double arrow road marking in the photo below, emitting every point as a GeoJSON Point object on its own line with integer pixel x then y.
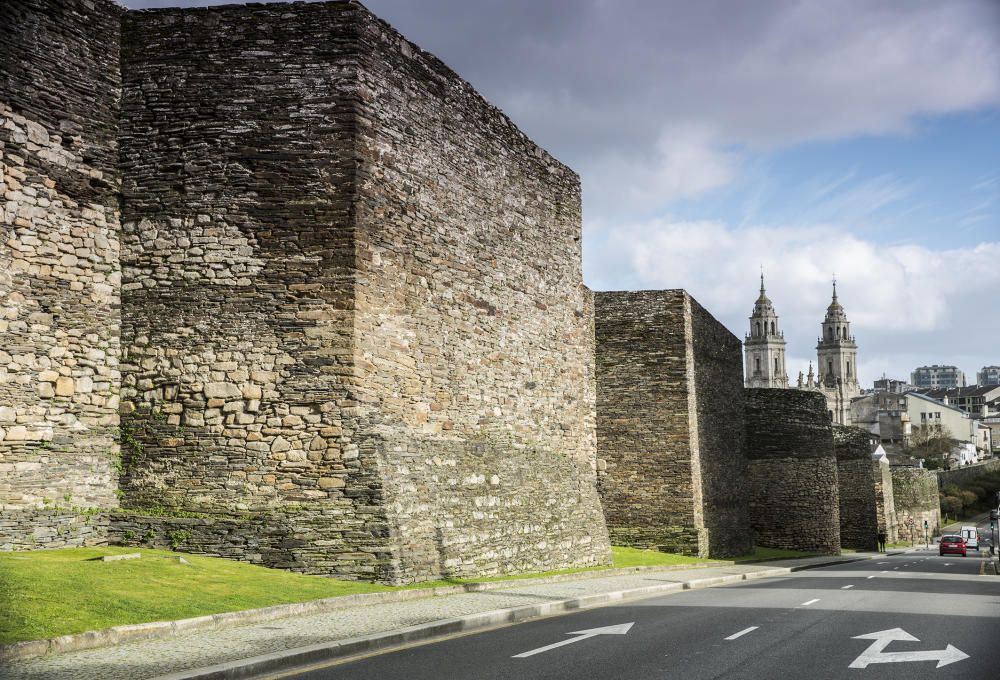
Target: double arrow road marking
{"type": "Point", "coordinates": [883, 638]}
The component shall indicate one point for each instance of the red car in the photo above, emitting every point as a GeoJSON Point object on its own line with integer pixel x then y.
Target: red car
{"type": "Point", "coordinates": [952, 544]}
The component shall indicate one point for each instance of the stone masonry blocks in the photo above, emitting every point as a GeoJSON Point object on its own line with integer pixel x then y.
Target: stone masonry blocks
{"type": "Point", "coordinates": [60, 273]}
{"type": "Point", "coordinates": [794, 498]}
{"type": "Point", "coordinates": [915, 491]}
{"type": "Point", "coordinates": [670, 425]}
{"type": "Point", "coordinates": [352, 302]}
{"type": "Point", "coordinates": [856, 488]}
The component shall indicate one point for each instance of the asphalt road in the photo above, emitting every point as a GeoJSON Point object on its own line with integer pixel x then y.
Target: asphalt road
{"type": "Point", "coordinates": [921, 607]}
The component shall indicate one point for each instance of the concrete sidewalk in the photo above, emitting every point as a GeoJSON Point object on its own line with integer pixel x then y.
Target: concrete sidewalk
{"type": "Point", "coordinates": [279, 644]}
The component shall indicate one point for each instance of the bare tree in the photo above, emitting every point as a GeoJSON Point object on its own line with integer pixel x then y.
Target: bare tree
{"type": "Point", "coordinates": [934, 444]}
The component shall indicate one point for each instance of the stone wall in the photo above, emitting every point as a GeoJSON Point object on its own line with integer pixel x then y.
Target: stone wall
{"type": "Point", "coordinates": [55, 527]}
{"type": "Point", "coordinates": [857, 488]}
{"type": "Point", "coordinates": [915, 491]}
{"type": "Point", "coordinates": [794, 498]}
{"type": "Point", "coordinates": [473, 329]}
{"type": "Point", "coordinates": [670, 425]}
{"type": "Point", "coordinates": [885, 501]}
{"type": "Point", "coordinates": [353, 300]}
{"type": "Point", "coordinates": [59, 269]}
{"type": "Point", "coordinates": [965, 475]}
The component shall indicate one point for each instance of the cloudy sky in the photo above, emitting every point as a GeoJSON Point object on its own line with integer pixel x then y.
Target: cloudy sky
{"type": "Point", "coordinates": [811, 137]}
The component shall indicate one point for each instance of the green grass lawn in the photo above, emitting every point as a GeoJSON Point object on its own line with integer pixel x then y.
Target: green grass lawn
{"type": "Point", "coordinates": [633, 557]}
{"type": "Point", "coordinates": [760, 553]}
{"type": "Point", "coordinates": [46, 593]}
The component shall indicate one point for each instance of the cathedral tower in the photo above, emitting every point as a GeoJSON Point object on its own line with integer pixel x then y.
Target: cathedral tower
{"type": "Point", "coordinates": [837, 358]}
{"type": "Point", "coordinates": [836, 351]}
{"type": "Point", "coordinates": [764, 347]}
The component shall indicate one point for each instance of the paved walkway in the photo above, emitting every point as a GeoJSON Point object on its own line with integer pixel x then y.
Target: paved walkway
{"type": "Point", "coordinates": [153, 658]}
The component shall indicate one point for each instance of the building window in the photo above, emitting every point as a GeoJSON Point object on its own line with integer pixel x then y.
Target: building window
{"type": "Point", "coordinates": [772, 328]}
{"type": "Point", "coordinates": [756, 365]}
{"type": "Point", "coordinates": [758, 329]}
{"type": "Point", "coordinates": [776, 372]}
{"type": "Point", "coordinates": [829, 367]}
{"type": "Point", "coordinates": [829, 333]}
{"type": "Point", "coordinates": [848, 369]}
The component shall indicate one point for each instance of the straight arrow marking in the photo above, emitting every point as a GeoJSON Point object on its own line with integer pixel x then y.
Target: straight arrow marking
{"type": "Point", "coordinates": [620, 629]}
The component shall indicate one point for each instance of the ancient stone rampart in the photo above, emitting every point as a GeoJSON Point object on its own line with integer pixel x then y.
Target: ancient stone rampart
{"type": "Point", "coordinates": [916, 497]}
{"type": "Point", "coordinates": [794, 498]}
{"type": "Point", "coordinates": [967, 474]}
{"type": "Point", "coordinates": [353, 301]}
{"type": "Point", "coordinates": [856, 488]}
{"type": "Point", "coordinates": [885, 501]}
{"type": "Point", "coordinates": [670, 425]}
{"type": "Point", "coordinates": [59, 270]}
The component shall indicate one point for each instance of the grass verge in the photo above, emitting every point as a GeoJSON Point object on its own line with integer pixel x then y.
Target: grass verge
{"type": "Point", "coordinates": [46, 593]}
{"type": "Point", "coordinates": [760, 553]}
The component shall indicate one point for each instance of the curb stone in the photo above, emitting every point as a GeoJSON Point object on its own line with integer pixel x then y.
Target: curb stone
{"type": "Point", "coordinates": [158, 630]}
{"type": "Point", "coordinates": [303, 657]}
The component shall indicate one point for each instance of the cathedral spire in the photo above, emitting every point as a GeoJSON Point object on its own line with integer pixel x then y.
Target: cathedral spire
{"type": "Point", "coordinates": [764, 347]}
{"type": "Point", "coordinates": [834, 287]}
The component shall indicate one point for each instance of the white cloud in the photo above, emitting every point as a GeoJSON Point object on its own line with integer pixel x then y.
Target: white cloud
{"type": "Point", "coordinates": [653, 101]}
{"type": "Point", "coordinates": [683, 163]}
{"type": "Point", "coordinates": [627, 91]}
{"type": "Point", "coordinates": [896, 297]}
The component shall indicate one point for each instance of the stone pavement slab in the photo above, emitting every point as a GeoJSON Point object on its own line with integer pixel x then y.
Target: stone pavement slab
{"type": "Point", "coordinates": [153, 658]}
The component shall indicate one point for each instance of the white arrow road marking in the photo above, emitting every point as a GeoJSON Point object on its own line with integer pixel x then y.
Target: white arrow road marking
{"type": "Point", "coordinates": [620, 629]}
{"type": "Point", "coordinates": [806, 604]}
{"type": "Point", "coordinates": [883, 638]}
{"type": "Point", "coordinates": [742, 632]}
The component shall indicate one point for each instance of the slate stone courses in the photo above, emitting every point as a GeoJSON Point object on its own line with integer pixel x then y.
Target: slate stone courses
{"type": "Point", "coordinates": [670, 425]}
{"type": "Point", "coordinates": [794, 497]}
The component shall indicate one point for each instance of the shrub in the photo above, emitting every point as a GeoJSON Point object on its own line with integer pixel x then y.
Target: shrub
{"type": "Point", "coordinates": [951, 506]}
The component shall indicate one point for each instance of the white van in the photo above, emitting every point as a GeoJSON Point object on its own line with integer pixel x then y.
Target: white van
{"type": "Point", "coordinates": [971, 536]}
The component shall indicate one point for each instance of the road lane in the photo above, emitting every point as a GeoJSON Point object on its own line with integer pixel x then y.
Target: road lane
{"type": "Point", "coordinates": [760, 629]}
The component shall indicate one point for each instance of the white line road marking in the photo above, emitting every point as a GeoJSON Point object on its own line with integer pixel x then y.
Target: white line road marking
{"type": "Point", "coordinates": [621, 629]}
{"type": "Point", "coordinates": [814, 601]}
{"type": "Point", "coordinates": [883, 563]}
{"type": "Point", "coordinates": [885, 571]}
{"type": "Point", "coordinates": [847, 587]}
{"type": "Point", "coordinates": [742, 632]}
{"type": "Point", "coordinates": [872, 576]}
